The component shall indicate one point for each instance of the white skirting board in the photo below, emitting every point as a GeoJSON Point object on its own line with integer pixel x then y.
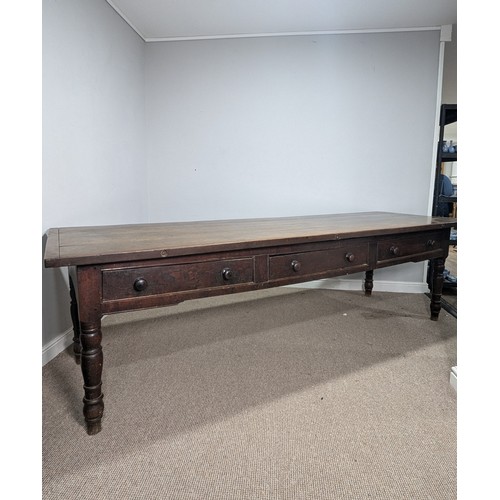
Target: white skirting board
{"type": "Point", "coordinates": [58, 345]}
{"type": "Point", "coordinates": [453, 377]}
{"type": "Point", "coordinates": [354, 284]}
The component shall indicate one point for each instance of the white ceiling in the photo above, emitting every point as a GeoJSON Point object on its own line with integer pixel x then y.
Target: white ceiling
{"type": "Point", "coordinates": [174, 19]}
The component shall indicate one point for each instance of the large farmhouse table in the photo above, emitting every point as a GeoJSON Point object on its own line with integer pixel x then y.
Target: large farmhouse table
{"type": "Point", "coordinates": [121, 268]}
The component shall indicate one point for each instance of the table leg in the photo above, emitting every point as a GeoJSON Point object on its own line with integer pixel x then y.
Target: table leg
{"type": "Point", "coordinates": [368, 282]}
{"type": "Point", "coordinates": [89, 309]}
{"type": "Point", "coordinates": [91, 361]}
{"type": "Point", "coordinates": [437, 266]}
{"type": "Point", "coordinates": [77, 348]}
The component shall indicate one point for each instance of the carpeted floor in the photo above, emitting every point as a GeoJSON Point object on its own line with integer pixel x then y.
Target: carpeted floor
{"type": "Point", "coordinates": [280, 394]}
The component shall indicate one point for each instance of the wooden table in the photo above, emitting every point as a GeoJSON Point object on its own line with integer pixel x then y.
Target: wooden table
{"type": "Point", "coordinates": [122, 268]}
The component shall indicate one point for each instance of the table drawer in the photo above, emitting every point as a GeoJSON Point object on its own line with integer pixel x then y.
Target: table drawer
{"type": "Point", "coordinates": [341, 258]}
{"type": "Point", "coordinates": [406, 247]}
{"type": "Point", "coordinates": [144, 281]}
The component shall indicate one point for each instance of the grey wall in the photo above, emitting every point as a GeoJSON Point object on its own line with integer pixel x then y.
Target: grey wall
{"type": "Point", "coordinates": [93, 116]}
{"type": "Point", "coordinates": [93, 130]}
{"type": "Point", "coordinates": [290, 125]}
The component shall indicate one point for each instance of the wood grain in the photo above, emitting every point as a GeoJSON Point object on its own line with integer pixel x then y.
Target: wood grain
{"type": "Point", "coordinates": [104, 244]}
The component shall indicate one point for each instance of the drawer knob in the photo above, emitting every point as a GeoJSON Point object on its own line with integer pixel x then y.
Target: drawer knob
{"type": "Point", "coordinates": [394, 250]}
{"type": "Point", "coordinates": [140, 284]}
{"type": "Point", "coordinates": [349, 257]}
{"type": "Point", "coordinates": [227, 274]}
{"type": "Point", "coordinates": [296, 265]}
{"type": "Point", "coordinates": [431, 243]}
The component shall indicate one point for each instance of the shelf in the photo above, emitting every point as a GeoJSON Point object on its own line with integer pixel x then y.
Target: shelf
{"type": "Point", "coordinates": [448, 114]}
{"type": "Point", "coordinates": [448, 157]}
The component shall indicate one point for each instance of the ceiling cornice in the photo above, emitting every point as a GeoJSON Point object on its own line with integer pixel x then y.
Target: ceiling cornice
{"type": "Point", "coordinates": [290, 33]}
{"type": "Point", "coordinates": [126, 19]}
{"type": "Point", "coordinates": [177, 38]}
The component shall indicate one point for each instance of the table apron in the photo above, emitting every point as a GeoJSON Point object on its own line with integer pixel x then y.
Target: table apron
{"type": "Point", "coordinates": [160, 282]}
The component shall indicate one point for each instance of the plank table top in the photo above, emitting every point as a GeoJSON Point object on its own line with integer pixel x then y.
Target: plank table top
{"type": "Point", "coordinates": [69, 246]}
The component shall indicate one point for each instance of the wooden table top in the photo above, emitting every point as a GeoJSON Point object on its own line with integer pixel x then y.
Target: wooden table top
{"type": "Point", "coordinates": [71, 246]}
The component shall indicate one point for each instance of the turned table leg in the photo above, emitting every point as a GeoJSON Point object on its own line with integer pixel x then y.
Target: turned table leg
{"type": "Point", "coordinates": [368, 282]}
{"type": "Point", "coordinates": [437, 267]}
{"type": "Point", "coordinates": [91, 362]}
{"type": "Point", "coordinates": [76, 321]}
{"type": "Point", "coordinates": [89, 308]}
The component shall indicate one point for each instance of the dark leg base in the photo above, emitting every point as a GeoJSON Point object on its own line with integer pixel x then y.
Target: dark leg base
{"type": "Point", "coordinates": [77, 352]}
{"type": "Point", "coordinates": [93, 415]}
{"type": "Point", "coordinates": [435, 307]}
{"type": "Point", "coordinates": [93, 411]}
{"type": "Point", "coordinates": [93, 428]}
{"type": "Point", "coordinates": [368, 285]}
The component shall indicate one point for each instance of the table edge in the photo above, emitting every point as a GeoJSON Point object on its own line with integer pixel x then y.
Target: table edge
{"type": "Point", "coordinates": [53, 258]}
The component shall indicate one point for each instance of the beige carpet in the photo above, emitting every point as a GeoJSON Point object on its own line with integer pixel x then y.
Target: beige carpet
{"type": "Point", "coordinates": [280, 394]}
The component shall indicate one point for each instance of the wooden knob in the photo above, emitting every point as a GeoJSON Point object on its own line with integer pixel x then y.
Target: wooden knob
{"type": "Point", "coordinates": [227, 274]}
{"type": "Point", "coordinates": [431, 243]}
{"type": "Point", "coordinates": [394, 250]}
{"type": "Point", "coordinates": [349, 257]}
{"type": "Point", "coordinates": [140, 284]}
{"type": "Point", "coordinates": [296, 265]}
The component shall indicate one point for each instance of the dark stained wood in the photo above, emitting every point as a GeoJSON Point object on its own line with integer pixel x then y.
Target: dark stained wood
{"type": "Point", "coordinates": [122, 268]}
{"type": "Point", "coordinates": [400, 247]}
{"type": "Point", "coordinates": [96, 245]}
{"type": "Point", "coordinates": [119, 284]}
{"type": "Point", "coordinates": [77, 348]}
{"type": "Point", "coordinates": [347, 257]}
{"type": "Point", "coordinates": [261, 268]}
{"type": "Point", "coordinates": [368, 284]}
{"type": "Point", "coordinates": [437, 287]}
{"type": "Point", "coordinates": [89, 298]}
